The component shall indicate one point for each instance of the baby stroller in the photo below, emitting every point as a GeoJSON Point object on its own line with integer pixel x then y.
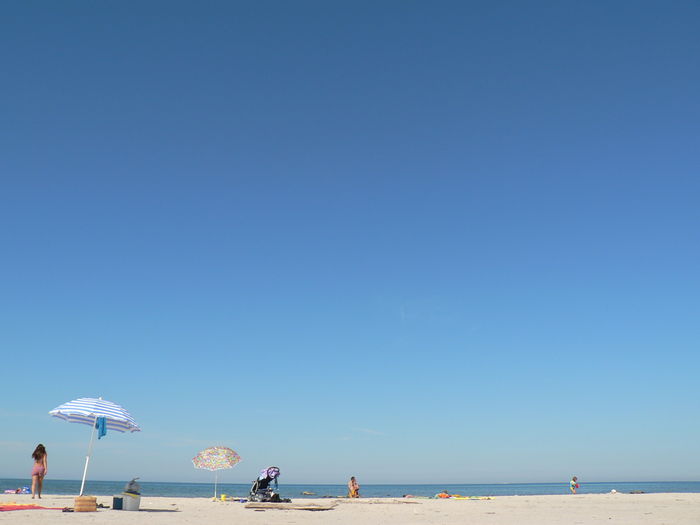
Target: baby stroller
{"type": "Point", "coordinates": [261, 489]}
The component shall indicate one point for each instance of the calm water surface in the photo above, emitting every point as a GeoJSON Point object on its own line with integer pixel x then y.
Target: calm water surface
{"type": "Point", "coordinates": [199, 490]}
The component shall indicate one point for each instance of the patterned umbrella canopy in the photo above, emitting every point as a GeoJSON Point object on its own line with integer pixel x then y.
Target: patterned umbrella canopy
{"type": "Point", "coordinates": [216, 458]}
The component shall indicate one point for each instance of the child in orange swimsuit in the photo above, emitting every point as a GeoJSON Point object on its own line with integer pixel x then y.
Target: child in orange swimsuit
{"type": "Point", "coordinates": [353, 488]}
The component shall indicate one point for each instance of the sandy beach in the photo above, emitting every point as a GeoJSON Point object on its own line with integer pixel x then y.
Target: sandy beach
{"type": "Point", "coordinates": [583, 509]}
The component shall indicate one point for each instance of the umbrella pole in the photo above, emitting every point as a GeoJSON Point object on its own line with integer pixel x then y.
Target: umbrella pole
{"type": "Point", "coordinates": [216, 479]}
{"type": "Point", "coordinates": [87, 458]}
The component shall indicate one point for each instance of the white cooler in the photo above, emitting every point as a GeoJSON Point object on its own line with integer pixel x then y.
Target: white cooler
{"type": "Point", "coordinates": [131, 501]}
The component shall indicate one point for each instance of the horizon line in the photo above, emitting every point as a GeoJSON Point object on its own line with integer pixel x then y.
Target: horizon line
{"type": "Point", "coordinates": [375, 484]}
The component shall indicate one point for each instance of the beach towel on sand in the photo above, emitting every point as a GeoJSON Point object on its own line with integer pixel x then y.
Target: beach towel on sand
{"type": "Point", "coordinates": [13, 506]}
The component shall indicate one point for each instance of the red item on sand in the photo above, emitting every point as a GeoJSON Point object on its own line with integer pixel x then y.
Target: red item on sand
{"type": "Point", "coordinates": [13, 506]}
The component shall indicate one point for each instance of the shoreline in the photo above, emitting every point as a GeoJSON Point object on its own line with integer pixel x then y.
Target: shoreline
{"type": "Point", "coordinates": [582, 509]}
{"type": "Point", "coordinates": [178, 489]}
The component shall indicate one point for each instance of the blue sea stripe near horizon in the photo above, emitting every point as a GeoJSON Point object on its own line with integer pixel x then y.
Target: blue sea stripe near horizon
{"type": "Point", "coordinates": [85, 409]}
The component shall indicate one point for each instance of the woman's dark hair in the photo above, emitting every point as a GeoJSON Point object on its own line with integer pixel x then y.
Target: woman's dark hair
{"type": "Point", "coordinates": [39, 452]}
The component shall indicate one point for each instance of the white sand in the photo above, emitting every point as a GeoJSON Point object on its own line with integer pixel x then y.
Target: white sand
{"type": "Point", "coordinates": [580, 509]}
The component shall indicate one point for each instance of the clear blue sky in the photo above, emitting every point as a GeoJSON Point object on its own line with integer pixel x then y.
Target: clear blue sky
{"type": "Point", "coordinates": [407, 241]}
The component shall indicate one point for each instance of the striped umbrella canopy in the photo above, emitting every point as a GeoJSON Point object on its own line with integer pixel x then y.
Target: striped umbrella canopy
{"type": "Point", "coordinates": [87, 411]}
{"type": "Point", "coordinates": [216, 458]}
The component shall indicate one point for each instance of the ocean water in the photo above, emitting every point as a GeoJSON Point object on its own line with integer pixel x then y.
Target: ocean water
{"type": "Point", "coordinates": [201, 490]}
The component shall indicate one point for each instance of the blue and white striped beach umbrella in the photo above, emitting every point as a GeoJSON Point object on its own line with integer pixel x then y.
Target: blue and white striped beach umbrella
{"type": "Point", "coordinates": [88, 411]}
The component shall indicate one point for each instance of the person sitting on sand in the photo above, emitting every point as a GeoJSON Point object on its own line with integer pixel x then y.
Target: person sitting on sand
{"type": "Point", "coordinates": [353, 488]}
{"type": "Point", "coordinates": [573, 485]}
{"type": "Point", "coordinates": [443, 495]}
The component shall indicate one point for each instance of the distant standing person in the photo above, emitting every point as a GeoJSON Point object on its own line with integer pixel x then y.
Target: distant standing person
{"type": "Point", "coordinates": [573, 485]}
{"type": "Point", "coordinates": [41, 467]}
{"type": "Point", "coordinates": [353, 488]}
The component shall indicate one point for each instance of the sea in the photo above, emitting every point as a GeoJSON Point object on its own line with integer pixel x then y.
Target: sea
{"type": "Point", "coordinates": [310, 490]}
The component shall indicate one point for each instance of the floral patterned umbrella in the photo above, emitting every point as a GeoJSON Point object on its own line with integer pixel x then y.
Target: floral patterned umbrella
{"type": "Point", "coordinates": [216, 458]}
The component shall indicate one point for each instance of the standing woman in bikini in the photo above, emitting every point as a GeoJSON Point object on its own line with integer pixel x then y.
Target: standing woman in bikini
{"type": "Point", "coordinates": [41, 467]}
